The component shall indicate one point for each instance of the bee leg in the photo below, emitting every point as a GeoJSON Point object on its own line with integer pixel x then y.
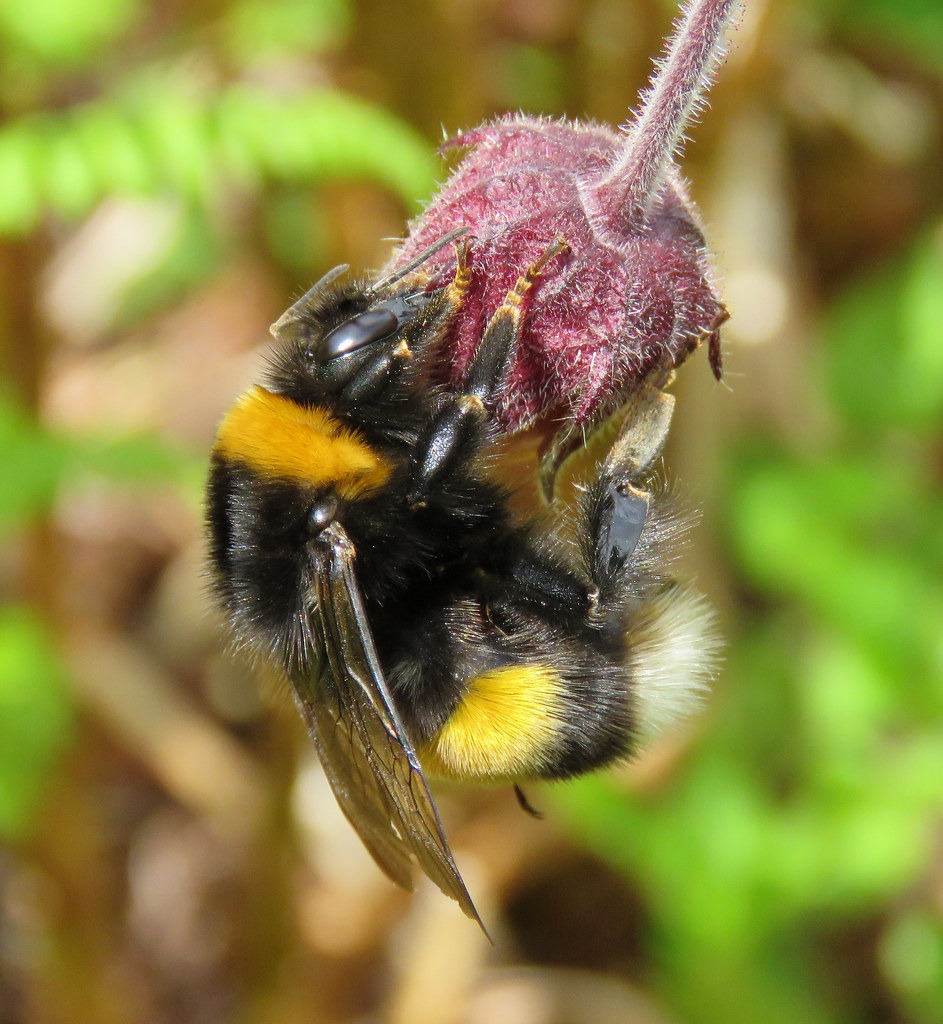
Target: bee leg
{"type": "Point", "coordinates": [525, 805]}
{"type": "Point", "coordinates": [452, 298]}
{"type": "Point", "coordinates": [458, 428]}
{"type": "Point", "coordinates": [572, 437]}
{"type": "Point", "coordinates": [661, 632]}
{"type": "Point", "coordinates": [495, 353]}
{"type": "Point", "coordinates": [614, 510]}
{"type": "Point", "coordinates": [384, 367]}
{"type": "Point", "coordinates": [443, 304]}
{"type": "Point", "coordinates": [616, 505]}
{"type": "Point", "coordinates": [378, 373]}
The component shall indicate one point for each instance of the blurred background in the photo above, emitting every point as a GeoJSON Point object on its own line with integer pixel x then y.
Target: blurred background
{"type": "Point", "coordinates": [171, 176]}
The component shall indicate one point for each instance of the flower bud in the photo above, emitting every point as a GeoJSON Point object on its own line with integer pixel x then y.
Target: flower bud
{"type": "Point", "coordinates": [633, 296]}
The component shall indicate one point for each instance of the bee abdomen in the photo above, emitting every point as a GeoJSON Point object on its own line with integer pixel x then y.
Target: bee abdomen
{"type": "Point", "coordinates": [507, 726]}
{"type": "Point", "coordinates": [539, 719]}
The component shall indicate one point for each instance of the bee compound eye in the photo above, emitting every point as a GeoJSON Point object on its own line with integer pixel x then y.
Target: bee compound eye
{"type": "Point", "coordinates": [363, 329]}
{"type": "Point", "coordinates": [321, 514]}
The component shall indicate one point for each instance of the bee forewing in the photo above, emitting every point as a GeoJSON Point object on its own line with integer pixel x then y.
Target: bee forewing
{"type": "Point", "coordinates": [367, 755]}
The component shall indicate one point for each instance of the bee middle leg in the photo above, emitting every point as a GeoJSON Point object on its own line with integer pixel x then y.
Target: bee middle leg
{"type": "Point", "coordinates": [458, 428]}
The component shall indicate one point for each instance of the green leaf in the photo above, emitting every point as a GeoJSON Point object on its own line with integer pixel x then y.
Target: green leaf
{"type": "Point", "coordinates": [259, 30]}
{"type": "Point", "coordinates": [164, 138]}
{"type": "Point", "coordinates": [37, 462]}
{"type": "Point", "coordinates": [913, 26]}
{"type": "Point", "coordinates": [34, 462]}
{"type": "Point", "coordinates": [35, 716]}
{"type": "Point", "coordinates": [115, 151]}
{"type": "Point", "coordinates": [63, 31]}
{"type": "Point", "coordinates": [324, 136]}
{"type": "Point", "coordinates": [177, 136]}
{"type": "Point", "coordinates": [20, 191]}
{"type": "Point", "coordinates": [71, 185]}
{"type": "Point", "coordinates": [837, 536]}
{"type": "Point", "coordinates": [132, 459]}
{"type": "Point", "coordinates": [911, 955]}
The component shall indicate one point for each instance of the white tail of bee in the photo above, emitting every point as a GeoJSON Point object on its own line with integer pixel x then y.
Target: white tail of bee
{"type": "Point", "coordinates": [675, 652]}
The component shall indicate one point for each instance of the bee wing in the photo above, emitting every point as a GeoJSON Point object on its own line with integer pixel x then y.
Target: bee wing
{"type": "Point", "coordinates": [366, 752]}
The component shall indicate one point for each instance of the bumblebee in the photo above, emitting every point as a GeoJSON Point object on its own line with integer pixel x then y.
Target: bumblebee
{"type": "Point", "coordinates": [359, 540]}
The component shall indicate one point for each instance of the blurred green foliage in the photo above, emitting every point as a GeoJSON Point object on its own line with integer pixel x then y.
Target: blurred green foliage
{"type": "Point", "coordinates": [883, 351]}
{"type": "Point", "coordinates": [161, 132]}
{"type": "Point", "coordinates": [160, 140]}
{"type": "Point", "coordinates": [35, 715]}
{"type": "Point", "coordinates": [35, 703]}
{"type": "Point", "coordinates": [816, 795]}
{"type": "Point", "coordinates": [813, 806]}
{"type": "Point", "coordinates": [58, 34]}
{"type": "Point", "coordinates": [914, 26]}
{"type": "Point", "coordinates": [40, 463]}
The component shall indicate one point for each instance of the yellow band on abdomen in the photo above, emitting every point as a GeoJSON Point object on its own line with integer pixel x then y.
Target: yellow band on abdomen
{"type": "Point", "coordinates": [281, 439]}
{"type": "Point", "coordinates": [504, 728]}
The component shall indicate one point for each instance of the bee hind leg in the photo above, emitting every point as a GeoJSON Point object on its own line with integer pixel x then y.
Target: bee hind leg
{"type": "Point", "coordinates": [617, 503]}
{"type": "Point", "coordinates": [668, 634]}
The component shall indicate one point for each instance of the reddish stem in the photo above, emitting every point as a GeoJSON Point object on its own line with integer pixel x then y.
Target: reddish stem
{"type": "Point", "coordinates": [623, 198]}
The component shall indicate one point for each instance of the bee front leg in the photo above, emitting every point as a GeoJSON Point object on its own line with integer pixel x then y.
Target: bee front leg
{"type": "Point", "coordinates": [376, 375]}
{"type": "Point", "coordinates": [360, 369]}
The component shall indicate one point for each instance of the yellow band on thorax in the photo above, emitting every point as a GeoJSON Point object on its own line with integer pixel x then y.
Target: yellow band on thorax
{"type": "Point", "coordinates": [281, 439]}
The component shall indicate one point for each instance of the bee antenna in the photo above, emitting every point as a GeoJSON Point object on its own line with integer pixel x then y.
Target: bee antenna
{"type": "Point", "coordinates": [294, 311]}
{"type": "Point", "coordinates": [416, 261]}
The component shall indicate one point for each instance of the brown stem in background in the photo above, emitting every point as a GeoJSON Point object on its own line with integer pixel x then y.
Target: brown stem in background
{"type": "Point", "coordinates": [22, 354]}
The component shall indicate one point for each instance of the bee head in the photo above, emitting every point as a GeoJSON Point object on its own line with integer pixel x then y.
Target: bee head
{"type": "Point", "coordinates": [327, 336]}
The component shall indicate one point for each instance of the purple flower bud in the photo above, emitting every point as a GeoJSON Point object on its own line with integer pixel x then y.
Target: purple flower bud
{"type": "Point", "coordinates": [633, 295]}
